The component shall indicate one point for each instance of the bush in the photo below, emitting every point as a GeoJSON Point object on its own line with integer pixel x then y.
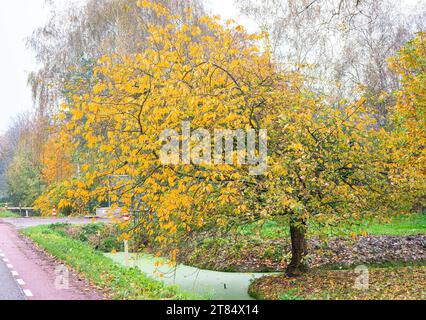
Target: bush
{"type": "Point", "coordinates": [100, 236]}
{"type": "Point", "coordinates": [63, 196]}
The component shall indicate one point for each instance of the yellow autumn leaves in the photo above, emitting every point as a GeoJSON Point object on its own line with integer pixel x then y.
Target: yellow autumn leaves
{"type": "Point", "coordinates": [325, 161]}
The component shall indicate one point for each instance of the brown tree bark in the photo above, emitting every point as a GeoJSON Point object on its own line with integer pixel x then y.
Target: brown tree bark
{"type": "Point", "coordinates": [299, 250]}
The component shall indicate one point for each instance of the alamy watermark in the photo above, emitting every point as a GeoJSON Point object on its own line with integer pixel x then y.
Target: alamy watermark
{"type": "Point", "coordinates": [242, 147]}
{"type": "Point", "coordinates": [62, 280]}
{"type": "Point", "coordinates": [362, 281]}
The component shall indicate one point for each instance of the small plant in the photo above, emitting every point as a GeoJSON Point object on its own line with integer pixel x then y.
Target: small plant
{"type": "Point", "coordinates": [293, 294]}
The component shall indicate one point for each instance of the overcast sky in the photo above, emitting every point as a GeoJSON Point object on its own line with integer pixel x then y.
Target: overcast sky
{"type": "Point", "coordinates": [18, 19]}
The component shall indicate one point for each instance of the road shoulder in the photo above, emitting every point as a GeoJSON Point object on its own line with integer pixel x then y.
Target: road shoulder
{"type": "Point", "coordinates": [43, 277]}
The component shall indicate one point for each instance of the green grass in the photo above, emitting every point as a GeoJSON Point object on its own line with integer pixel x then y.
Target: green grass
{"type": "Point", "coordinates": [8, 214]}
{"type": "Point", "coordinates": [120, 283]}
{"type": "Point", "coordinates": [269, 230]}
{"type": "Point", "coordinates": [400, 226]}
{"type": "Point", "coordinates": [292, 294]}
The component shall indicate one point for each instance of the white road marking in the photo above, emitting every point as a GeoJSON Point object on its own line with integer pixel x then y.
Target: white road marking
{"type": "Point", "coordinates": [28, 293]}
{"type": "Point", "coordinates": [21, 282]}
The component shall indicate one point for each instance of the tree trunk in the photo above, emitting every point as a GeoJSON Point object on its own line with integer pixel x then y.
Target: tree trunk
{"type": "Point", "coordinates": [298, 265]}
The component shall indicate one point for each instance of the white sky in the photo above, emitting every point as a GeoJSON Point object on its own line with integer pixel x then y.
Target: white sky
{"type": "Point", "coordinates": [18, 19]}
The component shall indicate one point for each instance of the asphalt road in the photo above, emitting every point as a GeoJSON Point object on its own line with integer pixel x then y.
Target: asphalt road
{"type": "Point", "coordinates": [9, 288]}
{"type": "Point", "coordinates": [26, 272]}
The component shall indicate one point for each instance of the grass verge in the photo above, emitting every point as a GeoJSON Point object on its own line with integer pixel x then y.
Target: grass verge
{"type": "Point", "coordinates": [118, 282]}
{"type": "Point", "coordinates": [8, 214]}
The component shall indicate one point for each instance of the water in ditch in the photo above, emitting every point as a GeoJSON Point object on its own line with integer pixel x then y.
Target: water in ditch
{"type": "Point", "coordinates": [209, 284]}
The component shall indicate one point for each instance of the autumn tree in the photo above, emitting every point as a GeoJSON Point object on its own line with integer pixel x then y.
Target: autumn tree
{"type": "Point", "coordinates": [57, 160]}
{"type": "Point", "coordinates": [184, 74]}
{"type": "Point", "coordinates": [23, 180]}
{"type": "Point", "coordinates": [325, 162]}
{"type": "Point", "coordinates": [21, 154]}
{"type": "Point", "coordinates": [407, 145]}
{"type": "Point", "coordinates": [67, 49]}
